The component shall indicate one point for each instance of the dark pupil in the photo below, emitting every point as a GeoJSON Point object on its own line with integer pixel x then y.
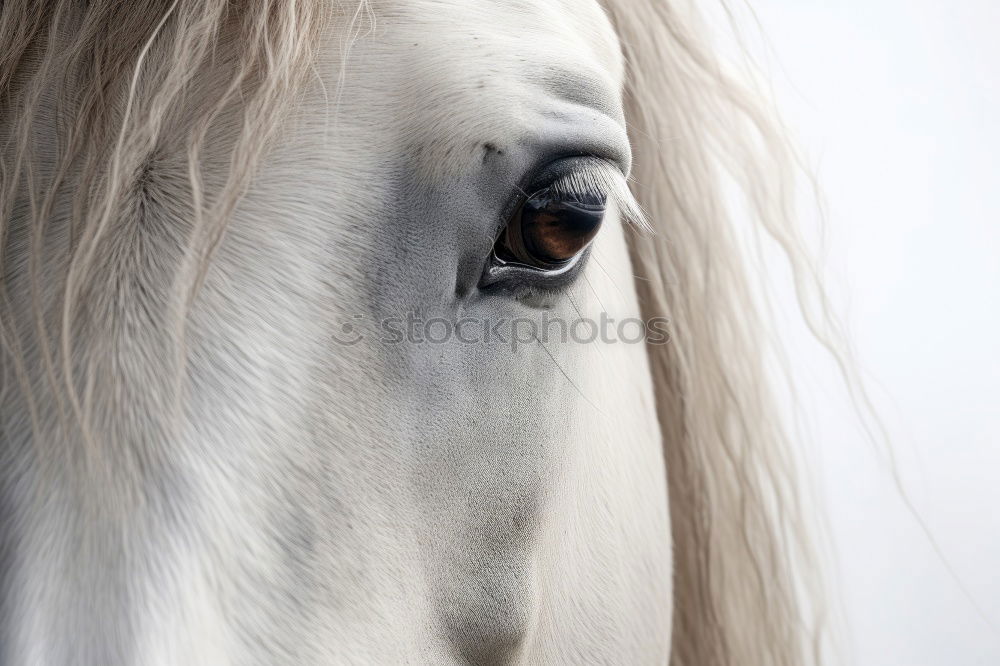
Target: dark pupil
{"type": "Point", "coordinates": [555, 230]}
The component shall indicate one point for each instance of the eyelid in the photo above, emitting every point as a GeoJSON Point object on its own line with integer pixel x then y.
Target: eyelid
{"type": "Point", "coordinates": [574, 168]}
{"type": "Point", "coordinates": [498, 270]}
{"type": "Point", "coordinates": [587, 181]}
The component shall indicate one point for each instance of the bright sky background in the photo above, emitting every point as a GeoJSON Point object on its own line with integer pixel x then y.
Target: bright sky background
{"type": "Point", "coordinates": [897, 104]}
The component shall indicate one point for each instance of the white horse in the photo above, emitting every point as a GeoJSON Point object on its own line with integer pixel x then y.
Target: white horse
{"type": "Point", "coordinates": [283, 378]}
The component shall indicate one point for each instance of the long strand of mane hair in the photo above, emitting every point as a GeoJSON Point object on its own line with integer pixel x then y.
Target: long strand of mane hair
{"type": "Point", "coordinates": [99, 100]}
{"type": "Point", "coordinates": [747, 585]}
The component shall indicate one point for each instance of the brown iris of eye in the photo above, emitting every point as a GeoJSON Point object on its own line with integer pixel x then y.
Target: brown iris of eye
{"type": "Point", "coordinates": [550, 229]}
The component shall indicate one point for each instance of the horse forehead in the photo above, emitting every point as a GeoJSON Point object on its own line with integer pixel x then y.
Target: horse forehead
{"type": "Point", "coordinates": [529, 39]}
{"type": "Point", "coordinates": [532, 15]}
{"type": "Point", "coordinates": [467, 65]}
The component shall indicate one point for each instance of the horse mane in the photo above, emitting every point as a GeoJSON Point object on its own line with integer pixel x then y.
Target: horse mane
{"type": "Point", "coordinates": [76, 117]}
{"type": "Point", "coordinates": [747, 586]}
{"type": "Point", "coordinates": [94, 98]}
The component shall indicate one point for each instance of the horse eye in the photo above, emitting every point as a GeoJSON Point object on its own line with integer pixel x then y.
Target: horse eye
{"type": "Point", "coordinates": [551, 228]}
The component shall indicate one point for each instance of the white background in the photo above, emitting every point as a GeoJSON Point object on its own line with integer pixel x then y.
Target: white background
{"type": "Point", "coordinates": [897, 105]}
